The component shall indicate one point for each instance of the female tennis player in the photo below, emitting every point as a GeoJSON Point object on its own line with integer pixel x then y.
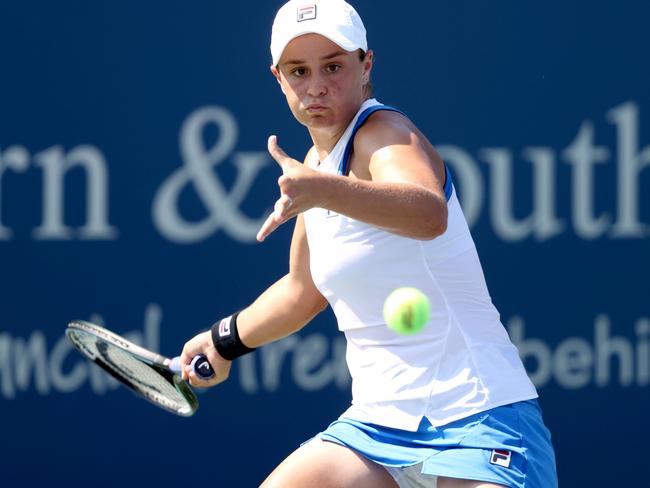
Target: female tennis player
{"type": "Point", "coordinates": [376, 209]}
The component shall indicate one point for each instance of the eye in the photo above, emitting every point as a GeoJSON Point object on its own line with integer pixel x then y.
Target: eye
{"type": "Point", "coordinates": [333, 68]}
{"type": "Point", "coordinates": [299, 72]}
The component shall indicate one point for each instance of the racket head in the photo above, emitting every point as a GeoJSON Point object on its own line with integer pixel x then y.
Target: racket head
{"type": "Point", "coordinates": [142, 371]}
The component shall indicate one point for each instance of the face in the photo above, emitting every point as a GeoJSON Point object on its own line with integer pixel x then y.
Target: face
{"type": "Point", "coordinates": [323, 83]}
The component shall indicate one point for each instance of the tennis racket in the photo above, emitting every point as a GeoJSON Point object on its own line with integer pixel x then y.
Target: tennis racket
{"type": "Point", "coordinates": [150, 375]}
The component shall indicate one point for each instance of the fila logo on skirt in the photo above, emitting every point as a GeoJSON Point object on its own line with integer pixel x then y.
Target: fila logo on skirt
{"type": "Point", "coordinates": [500, 457]}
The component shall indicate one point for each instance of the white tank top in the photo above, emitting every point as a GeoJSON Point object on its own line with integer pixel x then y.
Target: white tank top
{"type": "Point", "coordinates": [462, 362]}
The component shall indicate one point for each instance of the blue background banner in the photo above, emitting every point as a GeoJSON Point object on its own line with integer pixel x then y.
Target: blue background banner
{"type": "Point", "coordinates": [134, 176]}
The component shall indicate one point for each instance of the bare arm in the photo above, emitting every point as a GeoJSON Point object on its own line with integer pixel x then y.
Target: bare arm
{"type": "Point", "coordinates": [285, 307]}
{"type": "Point", "coordinates": [396, 182]}
{"type": "Point", "coordinates": [288, 304]}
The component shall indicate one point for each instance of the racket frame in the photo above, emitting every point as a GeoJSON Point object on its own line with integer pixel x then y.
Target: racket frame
{"type": "Point", "coordinates": [156, 361]}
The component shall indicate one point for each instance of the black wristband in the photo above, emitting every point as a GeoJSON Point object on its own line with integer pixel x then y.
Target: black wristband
{"type": "Point", "coordinates": [226, 338]}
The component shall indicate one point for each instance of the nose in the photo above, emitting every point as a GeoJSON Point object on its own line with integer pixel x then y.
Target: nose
{"type": "Point", "coordinates": [317, 85]}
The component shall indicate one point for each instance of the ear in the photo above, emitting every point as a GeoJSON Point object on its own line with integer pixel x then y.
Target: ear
{"type": "Point", "coordinates": [278, 78]}
{"type": "Point", "coordinates": [367, 64]}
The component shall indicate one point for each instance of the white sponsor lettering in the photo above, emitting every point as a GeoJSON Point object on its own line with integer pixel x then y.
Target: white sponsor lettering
{"type": "Point", "coordinates": [222, 206]}
{"type": "Point", "coordinates": [545, 220]}
{"type": "Point", "coordinates": [313, 362]}
{"type": "Point", "coordinates": [55, 163]}
{"type": "Point", "coordinates": [27, 362]}
{"type": "Point", "coordinates": [15, 158]}
{"type": "Point", "coordinates": [578, 362]}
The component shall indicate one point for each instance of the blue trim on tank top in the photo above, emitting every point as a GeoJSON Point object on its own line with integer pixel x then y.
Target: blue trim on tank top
{"type": "Point", "coordinates": [344, 164]}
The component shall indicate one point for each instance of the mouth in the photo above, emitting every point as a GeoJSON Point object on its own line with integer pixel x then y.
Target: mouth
{"type": "Point", "coordinates": [315, 108]}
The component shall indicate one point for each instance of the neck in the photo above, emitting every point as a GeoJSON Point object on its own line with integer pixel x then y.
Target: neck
{"type": "Point", "coordinates": [325, 138]}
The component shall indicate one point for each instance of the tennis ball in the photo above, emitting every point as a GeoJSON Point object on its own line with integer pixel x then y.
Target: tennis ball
{"type": "Point", "coordinates": [406, 310]}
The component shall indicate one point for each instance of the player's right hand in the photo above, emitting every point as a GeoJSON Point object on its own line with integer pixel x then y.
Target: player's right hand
{"type": "Point", "coordinates": [298, 187]}
{"type": "Point", "coordinates": [202, 344]}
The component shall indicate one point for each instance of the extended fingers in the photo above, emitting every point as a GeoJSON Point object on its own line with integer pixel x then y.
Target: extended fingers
{"type": "Point", "coordinates": [275, 151]}
{"type": "Point", "coordinates": [283, 209]}
{"type": "Point", "coordinates": [268, 226]}
{"type": "Point", "coordinates": [279, 155]}
{"type": "Point", "coordinates": [281, 213]}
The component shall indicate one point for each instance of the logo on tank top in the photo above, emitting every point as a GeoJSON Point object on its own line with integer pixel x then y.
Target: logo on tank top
{"type": "Point", "coordinates": [500, 458]}
{"type": "Point", "coordinates": [307, 13]}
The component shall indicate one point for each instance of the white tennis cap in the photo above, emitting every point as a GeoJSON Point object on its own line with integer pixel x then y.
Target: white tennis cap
{"type": "Point", "coordinates": [335, 19]}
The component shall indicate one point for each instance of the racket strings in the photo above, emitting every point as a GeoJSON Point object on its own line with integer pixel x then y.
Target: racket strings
{"type": "Point", "coordinates": [156, 385]}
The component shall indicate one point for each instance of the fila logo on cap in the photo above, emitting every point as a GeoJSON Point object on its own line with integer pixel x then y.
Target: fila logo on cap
{"type": "Point", "coordinates": [224, 327]}
{"type": "Point", "coordinates": [500, 458]}
{"type": "Point", "coordinates": [306, 13]}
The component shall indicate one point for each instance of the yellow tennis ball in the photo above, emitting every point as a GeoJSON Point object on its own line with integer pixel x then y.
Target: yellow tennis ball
{"type": "Point", "coordinates": [406, 310]}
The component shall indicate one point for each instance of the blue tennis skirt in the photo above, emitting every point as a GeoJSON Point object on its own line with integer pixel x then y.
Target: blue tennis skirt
{"type": "Point", "coordinates": [507, 445]}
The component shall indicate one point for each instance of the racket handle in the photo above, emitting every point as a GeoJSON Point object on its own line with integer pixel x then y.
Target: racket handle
{"type": "Point", "coordinates": [200, 366]}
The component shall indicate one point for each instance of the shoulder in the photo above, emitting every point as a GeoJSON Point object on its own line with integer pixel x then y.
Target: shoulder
{"type": "Point", "coordinates": [389, 145]}
{"type": "Point", "coordinates": [385, 128]}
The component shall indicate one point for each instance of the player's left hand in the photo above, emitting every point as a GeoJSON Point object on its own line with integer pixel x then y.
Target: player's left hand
{"type": "Point", "coordinates": [298, 190]}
